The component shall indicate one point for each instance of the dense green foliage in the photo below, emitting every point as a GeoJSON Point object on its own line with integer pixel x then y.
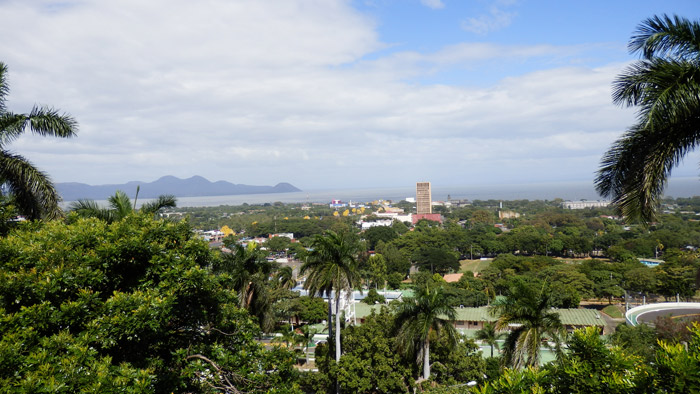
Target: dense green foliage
{"type": "Point", "coordinates": [545, 244]}
{"type": "Point", "coordinates": [124, 307]}
{"type": "Point", "coordinates": [370, 363]}
{"type": "Point", "coordinates": [250, 272]}
{"type": "Point", "coordinates": [544, 229]}
{"type": "Point", "coordinates": [145, 307]}
{"type": "Point", "coordinates": [592, 366]}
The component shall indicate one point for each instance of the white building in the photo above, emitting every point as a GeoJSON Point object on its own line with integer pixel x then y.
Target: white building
{"type": "Point", "coordinates": [376, 223]}
{"type": "Point", "coordinates": [585, 204]}
{"type": "Point", "coordinates": [395, 216]}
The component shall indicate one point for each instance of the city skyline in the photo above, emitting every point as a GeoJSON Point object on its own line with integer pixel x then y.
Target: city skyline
{"type": "Point", "coordinates": [325, 94]}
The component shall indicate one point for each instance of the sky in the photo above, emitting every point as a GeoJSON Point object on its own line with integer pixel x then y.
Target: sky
{"type": "Point", "coordinates": [325, 94]}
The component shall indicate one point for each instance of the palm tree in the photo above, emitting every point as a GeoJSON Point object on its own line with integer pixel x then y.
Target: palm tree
{"type": "Point", "coordinates": [490, 335]}
{"type": "Point", "coordinates": [332, 268]}
{"type": "Point", "coordinates": [526, 311]}
{"type": "Point", "coordinates": [284, 278]}
{"type": "Point", "coordinates": [250, 271]}
{"type": "Point", "coordinates": [417, 317]}
{"type": "Point", "coordinates": [665, 86]}
{"type": "Point", "coordinates": [307, 333]}
{"type": "Point", "coordinates": [120, 206]}
{"type": "Point", "coordinates": [34, 194]}
{"type": "Point", "coordinates": [289, 337]}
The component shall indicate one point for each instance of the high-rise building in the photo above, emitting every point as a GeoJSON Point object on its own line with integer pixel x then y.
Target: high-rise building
{"type": "Point", "coordinates": [423, 198]}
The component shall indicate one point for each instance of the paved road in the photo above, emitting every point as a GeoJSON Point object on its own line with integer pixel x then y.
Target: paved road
{"type": "Point", "coordinates": [650, 316]}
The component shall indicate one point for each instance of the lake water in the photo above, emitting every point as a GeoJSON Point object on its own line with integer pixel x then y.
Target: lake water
{"type": "Point", "coordinates": [679, 187]}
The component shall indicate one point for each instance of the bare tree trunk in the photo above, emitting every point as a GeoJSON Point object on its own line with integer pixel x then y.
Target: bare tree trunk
{"type": "Point", "coordinates": [426, 359]}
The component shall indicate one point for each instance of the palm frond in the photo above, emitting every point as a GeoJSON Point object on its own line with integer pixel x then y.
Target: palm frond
{"type": "Point", "coordinates": [90, 208]}
{"type": "Point", "coordinates": [666, 37]}
{"type": "Point", "coordinates": [121, 204]}
{"type": "Point", "coordinates": [4, 88]}
{"type": "Point", "coordinates": [666, 89]}
{"type": "Point", "coordinates": [527, 312]}
{"type": "Point", "coordinates": [11, 127]}
{"type": "Point", "coordinates": [331, 264]}
{"type": "Point", "coordinates": [162, 201]}
{"type": "Point", "coordinates": [35, 194]}
{"type": "Point", "coordinates": [635, 170]}
{"type": "Point", "coordinates": [285, 278]}
{"type": "Point", "coordinates": [46, 121]}
{"type": "Point", "coordinates": [43, 121]}
{"type": "Point", "coordinates": [417, 317]}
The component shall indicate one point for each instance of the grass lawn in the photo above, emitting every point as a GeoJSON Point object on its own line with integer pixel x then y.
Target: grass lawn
{"type": "Point", "coordinates": [474, 265]}
{"type": "Point", "coordinates": [613, 311]}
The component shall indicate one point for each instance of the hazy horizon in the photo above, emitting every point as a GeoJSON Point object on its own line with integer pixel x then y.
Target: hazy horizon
{"type": "Point", "coordinates": [677, 188]}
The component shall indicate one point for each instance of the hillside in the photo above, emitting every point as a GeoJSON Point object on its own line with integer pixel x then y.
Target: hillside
{"type": "Point", "coordinates": [195, 186]}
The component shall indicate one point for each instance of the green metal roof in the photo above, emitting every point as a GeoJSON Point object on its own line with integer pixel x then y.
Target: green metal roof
{"type": "Point", "coordinates": [363, 310]}
{"type": "Point", "coordinates": [580, 317]}
{"type": "Point", "coordinates": [474, 314]}
{"type": "Point", "coordinates": [575, 317]}
{"type": "Point", "coordinates": [408, 293]}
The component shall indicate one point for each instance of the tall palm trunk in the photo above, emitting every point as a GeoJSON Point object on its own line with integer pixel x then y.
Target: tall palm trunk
{"type": "Point", "coordinates": [337, 336]}
{"type": "Point", "coordinates": [426, 359]}
{"type": "Point", "coordinates": [337, 327]}
{"type": "Point", "coordinates": [330, 320]}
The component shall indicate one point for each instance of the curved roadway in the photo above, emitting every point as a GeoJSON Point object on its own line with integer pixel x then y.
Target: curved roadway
{"type": "Point", "coordinates": [650, 316]}
{"type": "Point", "coordinates": [648, 313]}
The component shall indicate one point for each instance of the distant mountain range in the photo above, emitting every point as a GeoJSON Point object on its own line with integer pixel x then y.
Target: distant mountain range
{"type": "Point", "coordinates": [195, 186]}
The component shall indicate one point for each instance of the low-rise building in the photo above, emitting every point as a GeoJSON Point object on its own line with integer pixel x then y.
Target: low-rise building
{"type": "Point", "coordinates": [394, 216]}
{"type": "Point", "coordinates": [376, 223]}
{"type": "Point", "coordinates": [475, 318]}
{"type": "Point", "coordinates": [435, 217]}
{"type": "Point", "coordinates": [505, 214]}
{"type": "Point", "coordinates": [585, 204]}
{"type": "Point", "coordinates": [288, 235]}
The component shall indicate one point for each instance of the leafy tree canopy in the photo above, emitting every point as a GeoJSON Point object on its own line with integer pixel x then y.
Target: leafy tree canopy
{"type": "Point", "coordinates": [438, 260]}
{"type": "Point", "coordinates": [128, 307]}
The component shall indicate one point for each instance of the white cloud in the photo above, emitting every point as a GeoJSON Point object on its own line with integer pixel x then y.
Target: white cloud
{"type": "Point", "coordinates": [496, 18]}
{"type": "Point", "coordinates": [263, 92]}
{"type": "Point", "coordinates": [434, 4]}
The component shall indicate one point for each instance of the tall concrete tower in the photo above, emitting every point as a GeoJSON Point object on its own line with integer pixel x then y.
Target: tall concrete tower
{"type": "Point", "coordinates": [423, 198]}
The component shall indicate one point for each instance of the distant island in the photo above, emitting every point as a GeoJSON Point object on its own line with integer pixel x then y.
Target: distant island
{"type": "Point", "coordinates": [195, 186]}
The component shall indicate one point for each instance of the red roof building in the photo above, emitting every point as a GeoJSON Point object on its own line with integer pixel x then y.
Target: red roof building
{"type": "Point", "coordinates": [435, 217]}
